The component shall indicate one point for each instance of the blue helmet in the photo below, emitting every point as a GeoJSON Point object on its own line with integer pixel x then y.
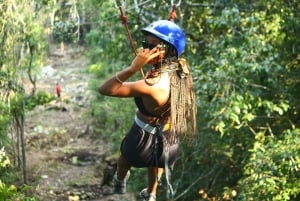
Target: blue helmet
{"type": "Point", "coordinates": [169, 32]}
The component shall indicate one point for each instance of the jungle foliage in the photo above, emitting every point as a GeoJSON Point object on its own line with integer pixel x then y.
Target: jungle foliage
{"type": "Point", "coordinates": [245, 60]}
{"type": "Point", "coordinates": [23, 47]}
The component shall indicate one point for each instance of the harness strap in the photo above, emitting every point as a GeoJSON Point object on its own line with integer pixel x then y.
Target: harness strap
{"type": "Point", "coordinates": [167, 152]}
{"type": "Point", "coordinates": [150, 128]}
{"type": "Point", "coordinates": [167, 170]}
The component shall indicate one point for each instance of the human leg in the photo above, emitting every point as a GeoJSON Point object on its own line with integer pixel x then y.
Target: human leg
{"type": "Point", "coordinates": [121, 176]}
{"type": "Point", "coordinates": [154, 175]}
{"type": "Point", "coordinates": [123, 167]}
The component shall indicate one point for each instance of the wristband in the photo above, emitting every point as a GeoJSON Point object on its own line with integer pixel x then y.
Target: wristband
{"type": "Point", "coordinates": [118, 79]}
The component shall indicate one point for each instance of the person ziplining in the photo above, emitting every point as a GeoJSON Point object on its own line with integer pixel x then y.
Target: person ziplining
{"type": "Point", "coordinates": [165, 101]}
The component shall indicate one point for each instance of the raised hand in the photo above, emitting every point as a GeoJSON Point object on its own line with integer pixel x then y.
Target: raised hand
{"type": "Point", "coordinates": [145, 56]}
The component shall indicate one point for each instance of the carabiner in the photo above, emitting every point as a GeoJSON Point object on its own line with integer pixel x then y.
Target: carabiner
{"type": "Point", "coordinates": [122, 3]}
{"type": "Point", "coordinates": [178, 4]}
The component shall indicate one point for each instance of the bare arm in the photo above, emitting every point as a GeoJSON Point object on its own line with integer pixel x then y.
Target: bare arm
{"type": "Point", "coordinates": [116, 85]}
{"type": "Point", "coordinates": [112, 86]}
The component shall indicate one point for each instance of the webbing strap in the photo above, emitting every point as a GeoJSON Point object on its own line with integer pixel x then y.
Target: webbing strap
{"type": "Point", "coordinates": [167, 170]}
{"type": "Point", "coordinates": [158, 133]}
{"type": "Point", "coordinates": [172, 13]}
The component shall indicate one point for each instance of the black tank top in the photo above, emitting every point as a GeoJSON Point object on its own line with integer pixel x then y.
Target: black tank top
{"type": "Point", "coordinates": [165, 109]}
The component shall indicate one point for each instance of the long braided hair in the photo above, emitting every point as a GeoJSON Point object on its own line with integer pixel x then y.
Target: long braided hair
{"type": "Point", "coordinates": [183, 99]}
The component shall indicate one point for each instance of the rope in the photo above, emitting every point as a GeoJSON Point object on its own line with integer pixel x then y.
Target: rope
{"type": "Point", "coordinates": [172, 13]}
{"type": "Point", "coordinates": [124, 21]}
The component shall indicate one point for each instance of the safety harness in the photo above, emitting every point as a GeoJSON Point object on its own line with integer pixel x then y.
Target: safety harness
{"type": "Point", "coordinates": [158, 132]}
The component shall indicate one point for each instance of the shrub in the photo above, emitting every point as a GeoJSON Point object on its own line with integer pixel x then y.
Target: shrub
{"type": "Point", "coordinates": [273, 169]}
{"type": "Point", "coordinates": [40, 98]}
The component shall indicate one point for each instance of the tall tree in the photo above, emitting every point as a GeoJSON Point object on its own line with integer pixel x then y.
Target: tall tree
{"type": "Point", "coordinates": [22, 51]}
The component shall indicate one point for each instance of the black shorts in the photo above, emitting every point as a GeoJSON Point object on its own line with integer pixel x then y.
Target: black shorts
{"type": "Point", "coordinates": [138, 148]}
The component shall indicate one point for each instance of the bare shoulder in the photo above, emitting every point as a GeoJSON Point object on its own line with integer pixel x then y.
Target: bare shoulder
{"type": "Point", "coordinates": [157, 88]}
{"type": "Point", "coordinates": [160, 90]}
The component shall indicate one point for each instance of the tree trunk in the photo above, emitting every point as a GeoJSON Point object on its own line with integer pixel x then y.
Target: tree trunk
{"type": "Point", "coordinates": [20, 127]}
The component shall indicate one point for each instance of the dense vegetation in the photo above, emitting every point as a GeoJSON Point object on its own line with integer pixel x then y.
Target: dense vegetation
{"type": "Point", "coordinates": [245, 59]}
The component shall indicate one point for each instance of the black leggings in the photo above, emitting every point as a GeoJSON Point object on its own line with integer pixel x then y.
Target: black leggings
{"type": "Point", "coordinates": [138, 148]}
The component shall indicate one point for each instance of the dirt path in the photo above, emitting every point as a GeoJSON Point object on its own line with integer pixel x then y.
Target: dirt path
{"type": "Point", "coordinates": [66, 161]}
